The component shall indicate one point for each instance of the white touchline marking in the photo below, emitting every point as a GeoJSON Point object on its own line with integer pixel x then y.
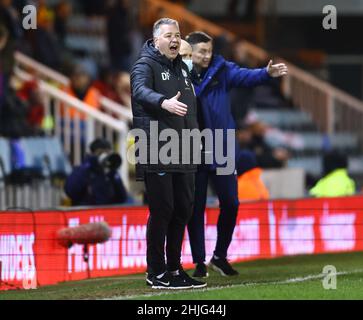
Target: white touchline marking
{"type": "Point", "coordinates": [286, 281]}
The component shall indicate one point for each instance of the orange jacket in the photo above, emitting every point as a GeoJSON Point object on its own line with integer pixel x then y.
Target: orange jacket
{"type": "Point", "coordinates": [251, 186]}
{"type": "Point", "coordinates": [92, 98]}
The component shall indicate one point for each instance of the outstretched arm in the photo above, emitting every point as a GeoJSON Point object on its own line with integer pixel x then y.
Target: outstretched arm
{"type": "Point", "coordinates": [243, 77]}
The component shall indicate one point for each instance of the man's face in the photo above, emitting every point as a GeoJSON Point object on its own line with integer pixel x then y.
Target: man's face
{"type": "Point", "coordinates": [80, 81]}
{"type": "Point", "coordinates": [202, 54]}
{"type": "Point", "coordinates": [186, 51]}
{"type": "Point", "coordinates": [168, 41]}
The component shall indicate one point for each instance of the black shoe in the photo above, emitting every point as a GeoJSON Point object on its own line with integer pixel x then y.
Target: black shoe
{"type": "Point", "coordinates": [149, 279]}
{"type": "Point", "coordinates": [185, 277]}
{"type": "Point", "coordinates": [223, 267]}
{"type": "Point", "coordinates": [200, 271]}
{"type": "Point", "coordinates": [167, 281]}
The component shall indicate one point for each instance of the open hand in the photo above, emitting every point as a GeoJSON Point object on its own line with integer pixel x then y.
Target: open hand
{"type": "Point", "coordinates": [276, 70]}
{"type": "Point", "coordinates": [174, 106]}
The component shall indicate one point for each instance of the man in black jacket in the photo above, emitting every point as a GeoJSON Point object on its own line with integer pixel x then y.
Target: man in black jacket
{"type": "Point", "coordinates": [159, 79]}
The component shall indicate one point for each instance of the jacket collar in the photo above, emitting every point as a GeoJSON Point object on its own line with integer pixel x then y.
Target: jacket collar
{"type": "Point", "coordinates": [216, 64]}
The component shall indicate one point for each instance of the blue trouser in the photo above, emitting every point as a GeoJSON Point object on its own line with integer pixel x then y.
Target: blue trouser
{"type": "Point", "coordinates": [226, 188]}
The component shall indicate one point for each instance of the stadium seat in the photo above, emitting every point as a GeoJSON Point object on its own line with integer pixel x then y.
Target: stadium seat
{"type": "Point", "coordinates": [5, 157]}
{"type": "Point", "coordinates": [355, 165]}
{"type": "Point", "coordinates": [45, 156]}
{"type": "Point", "coordinates": [312, 165]}
{"type": "Point", "coordinates": [59, 163]}
{"type": "Point", "coordinates": [344, 141]}
{"type": "Point", "coordinates": [285, 119]}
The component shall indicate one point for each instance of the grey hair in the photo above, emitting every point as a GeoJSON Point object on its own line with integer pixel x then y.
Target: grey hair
{"type": "Point", "coordinates": [160, 22]}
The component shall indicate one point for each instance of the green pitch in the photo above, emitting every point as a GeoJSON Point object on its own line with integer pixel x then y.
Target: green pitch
{"type": "Point", "coordinates": [298, 277]}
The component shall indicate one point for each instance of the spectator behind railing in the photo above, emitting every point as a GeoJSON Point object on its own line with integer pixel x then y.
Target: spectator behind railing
{"type": "Point", "coordinates": [81, 88]}
{"type": "Point", "coordinates": [250, 184]}
{"type": "Point", "coordinates": [122, 89]}
{"type": "Point", "coordinates": [30, 94]}
{"type": "Point", "coordinates": [336, 181]}
{"type": "Point", "coordinates": [104, 83]}
{"type": "Point", "coordinates": [96, 181]}
{"type": "Point", "coordinates": [84, 59]}
{"type": "Point", "coordinates": [252, 137]}
{"type": "Point", "coordinates": [14, 117]}
{"type": "Point", "coordinates": [114, 86]}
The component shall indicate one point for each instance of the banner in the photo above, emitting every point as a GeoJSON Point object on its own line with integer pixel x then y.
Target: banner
{"type": "Point", "coordinates": [30, 255]}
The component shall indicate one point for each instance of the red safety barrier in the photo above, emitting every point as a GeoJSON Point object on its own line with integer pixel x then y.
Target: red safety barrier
{"type": "Point", "coordinates": [31, 256]}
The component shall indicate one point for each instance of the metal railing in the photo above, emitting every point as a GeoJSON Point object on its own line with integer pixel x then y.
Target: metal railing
{"type": "Point", "coordinates": [87, 123]}
{"type": "Point", "coordinates": [332, 109]}
{"type": "Point", "coordinates": [35, 195]}
{"type": "Point", "coordinates": [29, 69]}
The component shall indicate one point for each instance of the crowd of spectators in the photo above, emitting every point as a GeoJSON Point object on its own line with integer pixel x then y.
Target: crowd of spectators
{"type": "Point", "coordinates": [21, 106]}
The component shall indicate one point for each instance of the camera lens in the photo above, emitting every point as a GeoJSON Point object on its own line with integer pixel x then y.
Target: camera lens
{"type": "Point", "coordinates": [113, 161]}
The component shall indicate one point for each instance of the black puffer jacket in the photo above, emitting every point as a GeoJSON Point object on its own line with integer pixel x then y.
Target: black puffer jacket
{"type": "Point", "coordinates": [155, 78]}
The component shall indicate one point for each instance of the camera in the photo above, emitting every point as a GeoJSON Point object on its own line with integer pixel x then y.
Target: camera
{"type": "Point", "coordinates": [111, 161]}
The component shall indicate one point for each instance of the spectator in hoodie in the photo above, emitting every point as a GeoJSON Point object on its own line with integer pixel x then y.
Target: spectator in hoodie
{"type": "Point", "coordinates": [81, 87]}
{"type": "Point", "coordinates": [31, 96]}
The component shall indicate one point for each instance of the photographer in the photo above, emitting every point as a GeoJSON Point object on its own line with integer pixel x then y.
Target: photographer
{"type": "Point", "coordinates": [96, 181]}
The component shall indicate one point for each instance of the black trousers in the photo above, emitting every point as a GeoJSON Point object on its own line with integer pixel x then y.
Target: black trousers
{"type": "Point", "coordinates": [226, 188]}
{"type": "Point", "coordinates": [170, 197]}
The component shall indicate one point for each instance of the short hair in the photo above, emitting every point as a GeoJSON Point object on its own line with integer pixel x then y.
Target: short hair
{"type": "Point", "coordinates": [198, 37]}
{"type": "Point", "coordinates": [334, 159]}
{"type": "Point", "coordinates": [4, 33]}
{"type": "Point", "coordinates": [160, 22]}
{"type": "Point", "coordinates": [100, 144]}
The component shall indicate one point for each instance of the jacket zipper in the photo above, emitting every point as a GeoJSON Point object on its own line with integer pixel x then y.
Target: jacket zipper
{"type": "Point", "coordinates": [185, 120]}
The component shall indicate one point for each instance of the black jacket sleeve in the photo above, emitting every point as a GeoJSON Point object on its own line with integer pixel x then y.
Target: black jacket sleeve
{"type": "Point", "coordinates": [141, 87]}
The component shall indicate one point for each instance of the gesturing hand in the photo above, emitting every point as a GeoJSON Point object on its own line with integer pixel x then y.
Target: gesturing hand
{"type": "Point", "coordinates": [174, 106]}
{"type": "Point", "coordinates": [276, 70]}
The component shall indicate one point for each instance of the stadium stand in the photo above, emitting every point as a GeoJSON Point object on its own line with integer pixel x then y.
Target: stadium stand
{"type": "Point", "coordinates": [30, 179]}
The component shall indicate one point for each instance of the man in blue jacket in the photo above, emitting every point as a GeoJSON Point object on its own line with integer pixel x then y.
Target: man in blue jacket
{"type": "Point", "coordinates": [213, 77]}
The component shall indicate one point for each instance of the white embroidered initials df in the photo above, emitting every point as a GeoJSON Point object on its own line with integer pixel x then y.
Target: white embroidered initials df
{"type": "Point", "coordinates": [165, 75]}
